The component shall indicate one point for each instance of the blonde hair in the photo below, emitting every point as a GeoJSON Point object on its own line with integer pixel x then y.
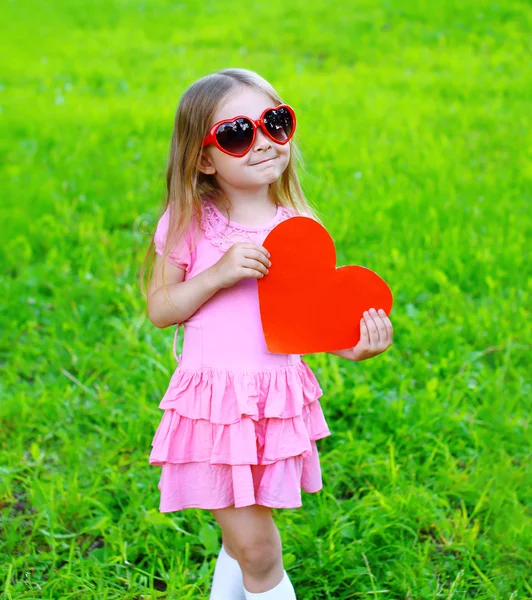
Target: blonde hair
{"type": "Point", "coordinates": [186, 185]}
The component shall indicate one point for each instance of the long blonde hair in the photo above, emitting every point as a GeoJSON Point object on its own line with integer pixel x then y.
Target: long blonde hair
{"type": "Point", "coordinates": [186, 185]}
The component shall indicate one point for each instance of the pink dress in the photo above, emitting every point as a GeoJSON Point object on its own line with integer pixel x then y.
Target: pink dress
{"type": "Point", "coordinates": [240, 424]}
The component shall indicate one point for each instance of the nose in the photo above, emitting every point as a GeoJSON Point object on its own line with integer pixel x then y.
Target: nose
{"type": "Point", "coordinates": [262, 141]}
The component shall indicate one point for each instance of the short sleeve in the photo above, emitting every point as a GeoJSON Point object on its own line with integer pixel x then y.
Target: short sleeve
{"type": "Point", "coordinates": [180, 254]}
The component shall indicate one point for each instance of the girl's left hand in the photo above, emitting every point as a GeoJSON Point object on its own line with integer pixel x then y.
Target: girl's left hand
{"type": "Point", "coordinates": [376, 333]}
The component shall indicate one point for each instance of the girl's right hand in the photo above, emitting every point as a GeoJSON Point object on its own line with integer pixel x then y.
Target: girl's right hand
{"type": "Point", "coordinates": [242, 260]}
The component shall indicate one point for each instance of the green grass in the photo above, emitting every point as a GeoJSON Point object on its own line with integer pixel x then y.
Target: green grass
{"type": "Point", "coordinates": [414, 122]}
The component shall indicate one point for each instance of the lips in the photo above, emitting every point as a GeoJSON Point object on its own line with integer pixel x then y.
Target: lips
{"type": "Point", "coordinates": [263, 161]}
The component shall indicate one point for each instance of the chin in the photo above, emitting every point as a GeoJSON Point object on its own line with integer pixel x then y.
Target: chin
{"type": "Point", "coordinates": [274, 177]}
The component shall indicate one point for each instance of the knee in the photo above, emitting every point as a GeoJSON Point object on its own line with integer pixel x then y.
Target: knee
{"type": "Point", "coordinates": [259, 556]}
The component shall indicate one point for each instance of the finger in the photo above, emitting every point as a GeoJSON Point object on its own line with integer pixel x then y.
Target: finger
{"type": "Point", "coordinates": [372, 327]}
{"type": "Point", "coordinates": [255, 264]}
{"type": "Point", "coordinates": [250, 246]}
{"type": "Point", "coordinates": [257, 247]}
{"type": "Point", "coordinates": [383, 332]}
{"type": "Point", "coordinates": [388, 325]}
{"type": "Point", "coordinates": [381, 328]}
{"type": "Point", "coordinates": [364, 333]}
{"type": "Point", "coordinates": [248, 272]}
{"type": "Point", "coordinates": [258, 255]}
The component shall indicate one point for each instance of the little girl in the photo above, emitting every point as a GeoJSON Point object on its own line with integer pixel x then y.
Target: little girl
{"type": "Point", "coordinates": [239, 428]}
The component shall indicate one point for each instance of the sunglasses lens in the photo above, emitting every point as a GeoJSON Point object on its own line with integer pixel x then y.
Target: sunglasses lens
{"type": "Point", "coordinates": [236, 136]}
{"type": "Point", "coordinates": [279, 124]}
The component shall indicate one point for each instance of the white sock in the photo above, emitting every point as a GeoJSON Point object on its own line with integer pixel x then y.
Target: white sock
{"type": "Point", "coordinates": [284, 590]}
{"type": "Point", "coordinates": [227, 582]}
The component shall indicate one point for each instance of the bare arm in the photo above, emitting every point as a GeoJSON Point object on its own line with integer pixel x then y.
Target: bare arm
{"type": "Point", "coordinates": [242, 260]}
{"type": "Point", "coordinates": [347, 353]}
{"type": "Point", "coordinates": [187, 296]}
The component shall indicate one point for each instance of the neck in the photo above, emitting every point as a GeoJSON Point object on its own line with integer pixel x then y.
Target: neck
{"type": "Point", "coordinates": [248, 202]}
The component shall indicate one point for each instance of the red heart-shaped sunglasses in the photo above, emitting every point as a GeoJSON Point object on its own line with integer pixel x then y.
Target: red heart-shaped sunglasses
{"type": "Point", "coordinates": [236, 136]}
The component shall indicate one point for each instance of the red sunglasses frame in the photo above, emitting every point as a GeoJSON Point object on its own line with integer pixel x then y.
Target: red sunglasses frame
{"type": "Point", "coordinates": [210, 138]}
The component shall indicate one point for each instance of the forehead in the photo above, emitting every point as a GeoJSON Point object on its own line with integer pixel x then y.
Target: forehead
{"type": "Point", "coordinates": [243, 101]}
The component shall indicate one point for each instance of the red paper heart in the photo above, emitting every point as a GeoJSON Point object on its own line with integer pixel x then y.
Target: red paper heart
{"type": "Point", "coordinates": [307, 304]}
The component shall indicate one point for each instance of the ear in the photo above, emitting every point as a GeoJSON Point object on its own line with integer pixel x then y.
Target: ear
{"type": "Point", "coordinates": [205, 164]}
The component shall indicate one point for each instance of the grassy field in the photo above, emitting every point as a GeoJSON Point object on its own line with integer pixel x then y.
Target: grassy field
{"type": "Point", "coordinates": [414, 120]}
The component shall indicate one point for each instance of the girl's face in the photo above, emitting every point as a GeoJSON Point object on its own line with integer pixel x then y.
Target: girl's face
{"type": "Point", "coordinates": [243, 173]}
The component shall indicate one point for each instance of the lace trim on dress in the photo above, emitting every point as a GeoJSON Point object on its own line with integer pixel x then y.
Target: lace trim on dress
{"type": "Point", "coordinates": [224, 235]}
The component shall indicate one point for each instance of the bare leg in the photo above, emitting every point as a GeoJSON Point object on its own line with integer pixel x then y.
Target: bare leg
{"type": "Point", "coordinates": [250, 535]}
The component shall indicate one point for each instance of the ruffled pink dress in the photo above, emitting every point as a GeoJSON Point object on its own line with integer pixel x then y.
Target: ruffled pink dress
{"type": "Point", "coordinates": [240, 424]}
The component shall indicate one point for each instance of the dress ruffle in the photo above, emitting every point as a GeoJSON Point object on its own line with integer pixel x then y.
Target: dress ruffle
{"type": "Point", "coordinates": [223, 396]}
{"type": "Point", "coordinates": [253, 434]}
